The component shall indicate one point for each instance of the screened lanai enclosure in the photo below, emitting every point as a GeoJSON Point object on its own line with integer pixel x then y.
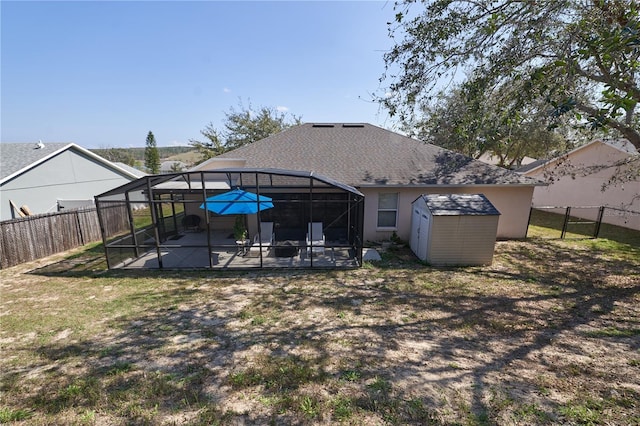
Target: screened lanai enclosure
{"type": "Point", "coordinates": [232, 218]}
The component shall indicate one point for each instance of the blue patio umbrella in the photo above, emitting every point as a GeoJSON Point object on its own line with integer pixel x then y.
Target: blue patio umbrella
{"type": "Point", "coordinates": [237, 201]}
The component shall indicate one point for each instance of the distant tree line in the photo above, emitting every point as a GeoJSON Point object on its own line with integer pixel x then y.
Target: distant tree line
{"type": "Point", "coordinates": [132, 156]}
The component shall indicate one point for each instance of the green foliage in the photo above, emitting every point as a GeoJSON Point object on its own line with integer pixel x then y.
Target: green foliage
{"type": "Point", "coordinates": [613, 332]}
{"type": "Point", "coordinates": [470, 121]}
{"type": "Point", "coordinates": [239, 228]}
{"type": "Point", "coordinates": [579, 59]}
{"type": "Point", "coordinates": [117, 155]}
{"type": "Point", "coordinates": [343, 408]}
{"type": "Point", "coordinates": [8, 415]}
{"type": "Point", "coordinates": [212, 146]}
{"type": "Point", "coordinates": [151, 156]}
{"type": "Point", "coordinates": [583, 412]}
{"type": "Point", "coordinates": [309, 407]}
{"type": "Point", "coordinates": [241, 127]}
{"type": "Point", "coordinates": [246, 125]}
{"type": "Point", "coordinates": [134, 155]}
{"type": "Point", "coordinates": [176, 167]}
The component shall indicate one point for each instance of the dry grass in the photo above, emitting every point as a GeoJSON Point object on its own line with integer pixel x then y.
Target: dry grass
{"type": "Point", "coordinates": [550, 333]}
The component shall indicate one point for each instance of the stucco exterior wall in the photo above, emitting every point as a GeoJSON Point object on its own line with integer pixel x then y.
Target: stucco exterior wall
{"type": "Point", "coordinates": [68, 175]}
{"type": "Point", "coordinates": [578, 190]}
{"type": "Point", "coordinates": [513, 203]}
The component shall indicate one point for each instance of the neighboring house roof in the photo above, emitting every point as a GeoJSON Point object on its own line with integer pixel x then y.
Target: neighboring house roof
{"type": "Point", "coordinates": [17, 158]}
{"type": "Point", "coordinates": [459, 205]}
{"type": "Point", "coordinates": [139, 173]}
{"type": "Point", "coordinates": [495, 160]}
{"type": "Point", "coordinates": [531, 166]}
{"type": "Point", "coordinates": [168, 166]}
{"type": "Point", "coordinates": [366, 155]}
{"type": "Point", "coordinates": [621, 145]}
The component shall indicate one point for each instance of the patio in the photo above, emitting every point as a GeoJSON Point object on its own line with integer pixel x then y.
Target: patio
{"type": "Point", "coordinates": [165, 221]}
{"type": "Point", "coordinates": [226, 254]}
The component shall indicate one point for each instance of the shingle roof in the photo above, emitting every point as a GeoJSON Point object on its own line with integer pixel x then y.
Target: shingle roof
{"type": "Point", "coordinates": [531, 166]}
{"type": "Point", "coordinates": [16, 156]}
{"type": "Point", "coordinates": [366, 155]}
{"type": "Point", "coordinates": [622, 145]}
{"type": "Point", "coordinates": [459, 205]}
{"type": "Point", "coordinates": [132, 170]}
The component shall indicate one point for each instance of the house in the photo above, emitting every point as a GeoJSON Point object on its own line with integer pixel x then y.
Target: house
{"type": "Point", "coordinates": [136, 172]}
{"type": "Point", "coordinates": [588, 177]}
{"type": "Point", "coordinates": [495, 160]}
{"type": "Point", "coordinates": [40, 178]}
{"type": "Point", "coordinates": [390, 169]}
{"type": "Point", "coordinates": [172, 166]}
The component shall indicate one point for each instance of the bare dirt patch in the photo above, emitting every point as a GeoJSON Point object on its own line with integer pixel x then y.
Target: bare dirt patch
{"type": "Point", "coordinates": [547, 334]}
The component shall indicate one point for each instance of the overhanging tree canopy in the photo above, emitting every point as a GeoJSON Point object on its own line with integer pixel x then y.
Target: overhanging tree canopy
{"type": "Point", "coordinates": [578, 56]}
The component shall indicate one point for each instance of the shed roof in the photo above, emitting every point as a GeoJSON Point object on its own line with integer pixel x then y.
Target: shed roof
{"type": "Point", "coordinates": [458, 205]}
{"type": "Point", "coordinates": [366, 155]}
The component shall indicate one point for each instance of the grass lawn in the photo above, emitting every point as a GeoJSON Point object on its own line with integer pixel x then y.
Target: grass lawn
{"type": "Point", "coordinates": [548, 334]}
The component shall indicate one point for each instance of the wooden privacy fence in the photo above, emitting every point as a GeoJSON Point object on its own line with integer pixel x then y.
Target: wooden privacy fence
{"type": "Point", "coordinates": [33, 237]}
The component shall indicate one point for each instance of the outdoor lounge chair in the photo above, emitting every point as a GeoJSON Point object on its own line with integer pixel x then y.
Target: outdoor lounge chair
{"type": "Point", "coordinates": [266, 238]}
{"type": "Point", "coordinates": [315, 238]}
{"type": "Point", "coordinates": [191, 222]}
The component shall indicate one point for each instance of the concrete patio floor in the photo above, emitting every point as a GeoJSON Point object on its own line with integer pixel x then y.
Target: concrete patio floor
{"type": "Point", "coordinates": [190, 251]}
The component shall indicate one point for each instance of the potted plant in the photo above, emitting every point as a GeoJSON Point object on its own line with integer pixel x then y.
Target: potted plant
{"type": "Point", "coordinates": [239, 230]}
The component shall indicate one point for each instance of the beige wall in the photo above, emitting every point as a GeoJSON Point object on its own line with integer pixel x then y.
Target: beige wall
{"type": "Point", "coordinates": [567, 191]}
{"type": "Point", "coordinates": [220, 163]}
{"type": "Point", "coordinates": [513, 203]}
{"type": "Point", "coordinates": [462, 240]}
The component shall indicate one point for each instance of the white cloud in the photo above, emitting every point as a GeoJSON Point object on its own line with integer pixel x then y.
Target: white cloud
{"type": "Point", "coordinates": [282, 108]}
{"type": "Point", "coordinates": [226, 90]}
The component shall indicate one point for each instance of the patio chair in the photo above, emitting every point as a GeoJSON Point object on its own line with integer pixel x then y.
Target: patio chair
{"type": "Point", "coordinates": [191, 222]}
{"type": "Point", "coordinates": [315, 238]}
{"type": "Point", "coordinates": [266, 237]}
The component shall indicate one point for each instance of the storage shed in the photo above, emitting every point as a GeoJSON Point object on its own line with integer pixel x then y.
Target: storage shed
{"type": "Point", "coordinates": [454, 229]}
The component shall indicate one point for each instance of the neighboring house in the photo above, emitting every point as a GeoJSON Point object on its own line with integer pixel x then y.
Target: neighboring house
{"type": "Point", "coordinates": [172, 166]}
{"type": "Point", "coordinates": [495, 160]}
{"type": "Point", "coordinates": [390, 169]}
{"type": "Point", "coordinates": [40, 176]}
{"type": "Point", "coordinates": [136, 172]}
{"type": "Point", "coordinates": [587, 176]}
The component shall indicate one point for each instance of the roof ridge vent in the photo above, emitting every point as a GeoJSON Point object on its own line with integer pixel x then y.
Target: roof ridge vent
{"type": "Point", "coordinates": [323, 125]}
{"type": "Point", "coordinates": [353, 125]}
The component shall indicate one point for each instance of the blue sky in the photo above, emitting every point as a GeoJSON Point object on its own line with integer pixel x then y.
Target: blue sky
{"type": "Point", "coordinates": [102, 74]}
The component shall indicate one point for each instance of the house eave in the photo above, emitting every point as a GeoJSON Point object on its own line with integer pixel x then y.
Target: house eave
{"type": "Point", "coordinates": [59, 151]}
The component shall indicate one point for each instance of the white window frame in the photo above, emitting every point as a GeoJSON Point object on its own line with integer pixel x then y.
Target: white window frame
{"type": "Point", "coordinates": [395, 226]}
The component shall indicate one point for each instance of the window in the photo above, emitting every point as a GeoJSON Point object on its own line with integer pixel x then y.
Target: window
{"type": "Point", "coordinates": [387, 210]}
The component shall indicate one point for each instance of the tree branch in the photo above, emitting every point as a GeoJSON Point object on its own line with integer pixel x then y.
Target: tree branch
{"type": "Point", "coordinates": [631, 134]}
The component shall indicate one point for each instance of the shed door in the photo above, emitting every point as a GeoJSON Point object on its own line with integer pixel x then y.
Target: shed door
{"type": "Point", "coordinates": [423, 239]}
{"type": "Point", "coordinates": [415, 232]}
{"type": "Point", "coordinates": [420, 228]}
